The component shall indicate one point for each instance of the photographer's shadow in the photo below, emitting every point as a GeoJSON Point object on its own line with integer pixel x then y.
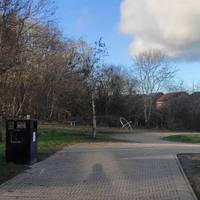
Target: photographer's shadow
{"type": "Point", "coordinates": [97, 175]}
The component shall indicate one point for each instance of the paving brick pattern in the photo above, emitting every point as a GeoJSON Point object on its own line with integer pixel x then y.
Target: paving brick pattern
{"type": "Point", "coordinates": [125, 171]}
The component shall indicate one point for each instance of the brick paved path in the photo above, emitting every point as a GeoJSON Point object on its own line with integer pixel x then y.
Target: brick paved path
{"type": "Point", "coordinates": [112, 171]}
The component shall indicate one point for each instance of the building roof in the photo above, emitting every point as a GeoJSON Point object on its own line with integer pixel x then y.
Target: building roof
{"type": "Point", "coordinates": [168, 96]}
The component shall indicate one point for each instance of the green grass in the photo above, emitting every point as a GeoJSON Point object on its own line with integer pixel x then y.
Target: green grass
{"type": "Point", "coordinates": [189, 138]}
{"type": "Point", "coordinates": [52, 139]}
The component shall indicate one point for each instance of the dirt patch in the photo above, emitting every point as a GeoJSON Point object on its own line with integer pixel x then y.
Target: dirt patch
{"type": "Point", "coordinates": [191, 167]}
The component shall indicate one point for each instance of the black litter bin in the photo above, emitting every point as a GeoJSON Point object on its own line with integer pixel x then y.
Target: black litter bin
{"type": "Point", "coordinates": [21, 141]}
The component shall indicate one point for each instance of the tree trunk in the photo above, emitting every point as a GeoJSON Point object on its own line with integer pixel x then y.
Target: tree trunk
{"type": "Point", "coordinates": [2, 129]}
{"type": "Point", "coordinates": [51, 112]}
{"type": "Point", "coordinates": [145, 112]}
{"type": "Point", "coordinates": [20, 107]}
{"type": "Point", "coordinates": [94, 124]}
{"type": "Point", "coordinates": [150, 109]}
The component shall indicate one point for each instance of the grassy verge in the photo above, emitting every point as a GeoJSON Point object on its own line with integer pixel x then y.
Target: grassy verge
{"type": "Point", "coordinates": [189, 138]}
{"type": "Point", "coordinates": [8, 170]}
{"type": "Point", "coordinates": [190, 163]}
{"type": "Point", "coordinates": [52, 139]}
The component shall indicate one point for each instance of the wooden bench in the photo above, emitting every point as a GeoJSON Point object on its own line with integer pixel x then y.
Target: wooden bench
{"type": "Point", "coordinates": [72, 123]}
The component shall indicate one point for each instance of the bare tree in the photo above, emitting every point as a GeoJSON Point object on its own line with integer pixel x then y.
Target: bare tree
{"type": "Point", "coordinates": [153, 72]}
{"type": "Point", "coordinates": [94, 63]}
{"type": "Point", "coordinates": [17, 19]}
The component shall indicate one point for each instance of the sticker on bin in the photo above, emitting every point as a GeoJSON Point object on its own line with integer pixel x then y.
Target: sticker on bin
{"type": "Point", "coordinates": [34, 136]}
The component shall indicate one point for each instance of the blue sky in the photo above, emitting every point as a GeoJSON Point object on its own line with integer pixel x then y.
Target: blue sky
{"type": "Point", "coordinates": [92, 19]}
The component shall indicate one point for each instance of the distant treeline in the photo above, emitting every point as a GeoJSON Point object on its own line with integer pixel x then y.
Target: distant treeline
{"type": "Point", "coordinates": [179, 111]}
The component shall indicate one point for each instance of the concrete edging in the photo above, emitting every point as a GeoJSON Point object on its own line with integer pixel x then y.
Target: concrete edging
{"type": "Point", "coordinates": [185, 177]}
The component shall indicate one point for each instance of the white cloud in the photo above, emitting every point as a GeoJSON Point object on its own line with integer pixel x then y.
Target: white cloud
{"type": "Point", "coordinates": [170, 25]}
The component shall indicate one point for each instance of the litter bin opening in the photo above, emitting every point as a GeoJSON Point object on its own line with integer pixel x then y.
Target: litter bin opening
{"type": "Point", "coordinates": [21, 124]}
{"type": "Point", "coordinates": [16, 138]}
{"type": "Point", "coordinates": [11, 125]}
